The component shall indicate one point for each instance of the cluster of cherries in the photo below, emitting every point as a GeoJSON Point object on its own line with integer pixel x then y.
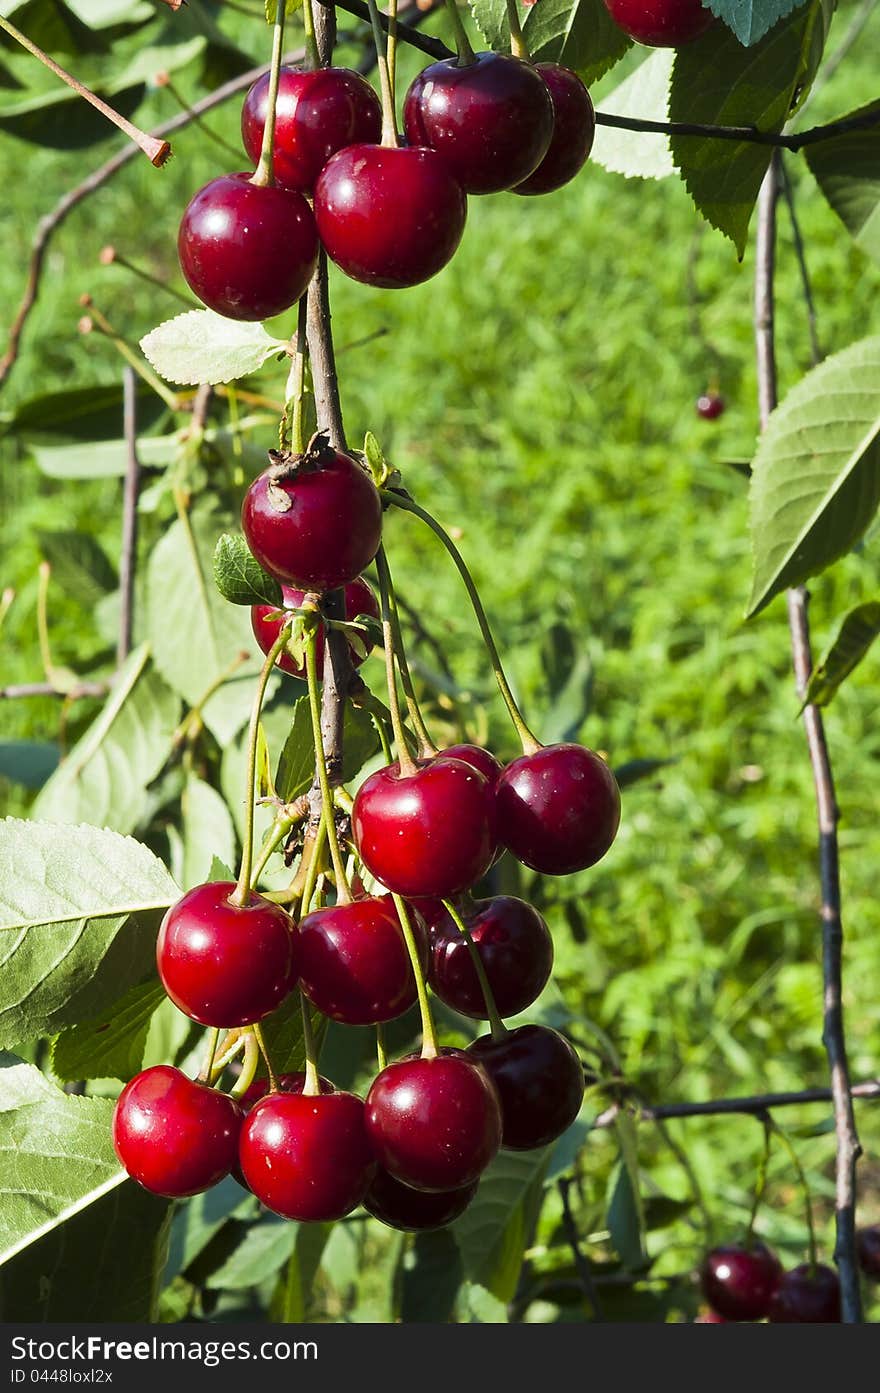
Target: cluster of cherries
{"type": "Point", "coordinates": [746, 1282]}
{"type": "Point", "coordinates": [426, 830]}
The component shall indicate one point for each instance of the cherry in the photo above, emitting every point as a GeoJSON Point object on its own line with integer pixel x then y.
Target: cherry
{"type": "Point", "coordinates": [806, 1295]}
{"type": "Point", "coordinates": [247, 251]}
{"type": "Point", "coordinates": [710, 406]}
{"type": "Point", "coordinates": [317, 113]}
{"type": "Point", "coordinates": [660, 23]}
{"type": "Point", "coordinates": [558, 809]}
{"type": "Point", "coordinates": [435, 1123]}
{"type": "Point", "coordinates": [320, 527]}
{"type": "Point", "coordinates": [402, 1207]}
{"type": "Point", "coordinates": [359, 599]}
{"type": "Point", "coordinates": [429, 833]}
{"type": "Point", "coordinates": [574, 126]}
{"type": "Point", "coordinates": [540, 1081]}
{"type": "Point", "coordinates": [222, 964]}
{"type": "Point", "coordinates": [477, 758]}
{"type": "Point", "coordinates": [305, 1157]}
{"type": "Point", "coordinates": [490, 120]}
{"type": "Point", "coordinates": [173, 1136]}
{"type": "Point", "coordinates": [389, 217]}
{"type": "Point", "coordinates": [739, 1282]}
{"type": "Point", "coordinates": [354, 964]}
{"type": "Point", "coordinates": [868, 1248]}
{"type": "Point", "coordinates": [516, 950]}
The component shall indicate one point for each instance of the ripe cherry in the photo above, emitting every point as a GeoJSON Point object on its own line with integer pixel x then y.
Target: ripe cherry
{"type": "Point", "coordinates": [868, 1249]}
{"type": "Point", "coordinates": [477, 758]}
{"type": "Point", "coordinates": [660, 23]}
{"type": "Point", "coordinates": [540, 1081]}
{"type": "Point", "coordinates": [317, 113]}
{"type": "Point", "coordinates": [222, 964]}
{"type": "Point", "coordinates": [710, 406]}
{"type": "Point", "coordinates": [402, 1207]}
{"type": "Point", "coordinates": [806, 1295]}
{"type": "Point", "coordinates": [490, 120]}
{"type": "Point", "coordinates": [353, 961]}
{"type": "Point", "coordinates": [516, 950]}
{"type": "Point", "coordinates": [574, 127]}
{"type": "Point", "coordinates": [174, 1136]}
{"type": "Point", "coordinates": [558, 809]}
{"type": "Point", "coordinates": [318, 529]}
{"type": "Point", "coordinates": [359, 599]}
{"type": "Point", "coordinates": [389, 217]}
{"type": "Point", "coordinates": [247, 251]}
{"type": "Point", "coordinates": [428, 833]}
{"type": "Point", "coordinates": [739, 1282]}
{"type": "Point", "coordinates": [307, 1158]}
{"type": "Point", "coordinates": [435, 1124]}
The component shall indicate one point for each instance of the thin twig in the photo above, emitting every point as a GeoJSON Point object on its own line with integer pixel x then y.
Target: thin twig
{"type": "Point", "coordinates": [128, 559]}
{"type": "Point", "coordinates": [46, 689]}
{"type": "Point", "coordinates": [801, 255]}
{"type": "Point", "coordinates": [582, 1267]}
{"type": "Point", "coordinates": [750, 1106]}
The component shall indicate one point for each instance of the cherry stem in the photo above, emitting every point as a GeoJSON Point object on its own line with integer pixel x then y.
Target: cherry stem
{"type": "Point", "coordinates": [530, 743]}
{"type": "Point", "coordinates": [343, 889]}
{"type": "Point", "coordinates": [761, 1183]}
{"type": "Point", "coordinates": [496, 1024]}
{"type": "Point", "coordinates": [206, 1071]}
{"type": "Point", "coordinates": [465, 54]}
{"type": "Point", "coordinates": [389, 116]}
{"type": "Point", "coordinates": [241, 893]}
{"type": "Point", "coordinates": [392, 49]}
{"type": "Point", "coordinates": [430, 1049]}
{"type": "Point", "coordinates": [264, 174]}
{"type": "Point", "coordinates": [808, 1206]}
{"type": "Point", "coordinates": [404, 758]}
{"type": "Point", "coordinates": [228, 1053]}
{"type": "Point", "coordinates": [296, 385]}
{"type": "Point", "coordinates": [277, 832]}
{"type": "Point", "coordinates": [248, 1065]}
{"type": "Point", "coordinates": [258, 1035]}
{"type": "Point", "coordinates": [99, 321]}
{"type": "Point", "coordinates": [313, 57]}
{"type": "Point", "coordinates": [312, 1084]}
{"type": "Point", "coordinates": [427, 748]}
{"type": "Point", "coordinates": [111, 257]}
{"type": "Point", "coordinates": [518, 46]}
{"type": "Point", "coordinates": [381, 1053]}
{"type": "Point", "coordinates": [156, 151]}
{"type": "Point", "coordinates": [382, 733]}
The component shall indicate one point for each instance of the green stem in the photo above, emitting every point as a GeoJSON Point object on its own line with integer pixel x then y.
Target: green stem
{"type": "Point", "coordinates": [761, 1182]}
{"type": "Point", "coordinates": [382, 733]}
{"type": "Point", "coordinates": [381, 1053]}
{"type": "Point", "coordinates": [277, 832]}
{"type": "Point", "coordinates": [430, 1048]}
{"type": "Point", "coordinates": [518, 46]}
{"type": "Point", "coordinates": [808, 1207]}
{"type": "Point", "coordinates": [313, 869]}
{"type": "Point", "coordinates": [496, 1024]}
{"type": "Point", "coordinates": [426, 744]}
{"type": "Point", "coordinates": [343, 889]}
{"type": "Point", "coordinates": [313, 57]}
{"type": "Point", "coordinates": [206, 1071]}
{"type": "Point", "coordinates": [404, 758]}
{"type": "Point", "coordinates": [102, 324]}
{"type": "Point", "coordinates": [392, 49]}
{"type": "Point", "coordinates": [258, 1035]}
{"type": "Point", "coordinates": [296, 384]}
{"type": "Point", "coordinates": [264, 174]}
{"type": "Point", "coordinates": [242, 889]}
{"type": "Point", "coordinates": [249, 1065]}
{"type": "Point", "coordinates": [389, 117]}
{"type": "Point", "coordinates": [463, 48]}
{"type": "Point", "coordinates": [312, 1084]}
{"type": "Point", "coordinates": [530, 743]}
{"type": "Point", "coordinates": [222, 1061]}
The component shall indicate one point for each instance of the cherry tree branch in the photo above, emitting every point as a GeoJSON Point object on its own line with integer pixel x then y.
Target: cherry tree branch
{"type": "Point", "coordinates": [750, 1106]}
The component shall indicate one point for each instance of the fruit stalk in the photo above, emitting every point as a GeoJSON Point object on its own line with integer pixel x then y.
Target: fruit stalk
{"type": "Point", "coordinates": [343, 889]}
{"type": "Point", "coordinates": [430, 1048]}
{"type": "Point", "coordinates": [518, 46]}
{"type": "Point", "coordinates": [496, 1024]}
{"type": "Point", "coordinates": [389, 117]}
{"type": "Point", "coordinates": [264, 175]}
{"type": "Point", "coordinates": [463, 49]}
{"type": "Point", "coordinates": [404, 758]}
{"type": "Point", "coordinates": [426, 744]}
{"type": "Point", "coordinates": [241, 893]}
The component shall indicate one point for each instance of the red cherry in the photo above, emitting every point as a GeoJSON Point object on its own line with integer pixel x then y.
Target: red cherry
{"type": "Point", "coordinates": [173, 1136]}
{"type": "Point", "coordinates": [477, 758]}
{"type": "Point", "coordinates": [868, 1248]}
{"type": "Point", "coordinates": [514, 945]}
{"type": "Point", "coordinates": [574, 126]}
{"type": "Point", "coordinates": [224, 965]}
{"type": "Point", "coordinates": [710, 406]}
{"type": "Point", "coordinates": [287, 1083]}
{"type": "Point", "coordinates": [435, 1124]}
{"type": "Point", "coordinates": [806, 1295]}
{"type": "Point", "coordinates": [307, 1158]}
{"type": "Point", "coordinates": [558, 809]}
{"type": "Point", "coordinates": [247, 252]}
{"type": "Point", "coordinates": [317, 113]}
{"type": "Point", "coordinates": [739, 1282]}
{"type": "Point", "coordinates": [354, 964]}
{"type": "Point", "coordinates": [430, 833]}
{"type": "Point", "coordinates": [540, 1081]}
{"type": "Point", "coordinates": [402, 1207]}
{"type": "Point", "coordinates": [359, 599]}
{"type": "Point", "coordinates": [389, 217]}
{"type": "Point", "coordinates": [491, 120]}
{"type": "Point", "coordinates": [328, 533]}
{"type": "Point", "coordinates": [660, 23]}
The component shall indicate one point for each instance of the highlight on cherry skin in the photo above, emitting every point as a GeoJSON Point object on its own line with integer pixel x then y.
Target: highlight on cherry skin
{"type": "Point", "coordinates": [266, 621]}
{"type": "Point", "coordinates": [739, 1281]}
{"type": "Point", "coordinates": [174, 1136]}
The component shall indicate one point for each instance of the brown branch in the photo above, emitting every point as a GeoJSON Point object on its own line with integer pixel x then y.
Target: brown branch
{"type": "Point", "coordinates": [128, 559]}
{"type": "Point", "coordinates": [848, 1148]}
{"type": "Point", "coordinates": [750, 1106]}
{"type": "Point", "coordinates": [581, 1266]}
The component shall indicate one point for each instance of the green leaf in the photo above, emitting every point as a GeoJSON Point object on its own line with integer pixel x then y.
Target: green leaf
{"type": "Point", "coordinates": [290, 8]}
{"type": "Point", "coordinates": [634, 770]}
{"type": "Point", "coordinates": [715, 81]}
{"type": "Point", "coordinates": [431, 1277]}
{"type": "Point", "coordinates": [283, 1033]}
{"type": "Point", "coordinates": [490, 17]}
{"type": "Point", "coordinates": [645, 94]}
{"type": "Point", "coordinates": [275, 721]}
{"type": "Point", "coordinates": [104, 778]}
{"type": "Point", "coordinates": [81, 413]}
{"type": "Point", "coordinates": [567, 1148]}
{"type": "Point", "coordinates": [815, 480]}
{"type": "Point", "coordinates": [749, 20]}
{"type": "Point", "coordinates": [198, 1220]}
{"type": "Point", "coordinates": [201, 346]}
{"type": "Point", "coordinates": [208, 832]}
{"type": "Point", "coordinates": [856, 632]}
{"type": "Point", "coordinates": [28, 762]}
{"type": "Point", "coordinates": [495, 1229]}
{"type": "Point", "coordinates": [847, 170]}
{"type": "Point", "coordinates": [79, 910]}
{"type": "Point", "coordinates": [479, 1307]}
{"type": "Point", "coordinates": [296, 764]}
{"type": "Point", "coordinates": [263, 1249]}
{"type": "Point", "coordinates": [103, 459]}
{"type": "Point", "coordinates": [293, 1298]}
{"type": "Point", "coordinates": [626, 1216]}
{"type": "Point", "coordinates": [239, 576]}
{"type": "Point", "coordinates": [582, 35]}
{"type": "Point", "coordinates": [111, 1046]}
{"type": "Point", "coordinates": [79, 565]}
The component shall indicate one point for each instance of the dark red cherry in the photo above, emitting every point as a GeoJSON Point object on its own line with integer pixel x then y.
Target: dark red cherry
{"type": "Point", "coordinates": [359, 599]}
{"type": "Point", "coordinates": [319, 529]}
{"type": "Point", "coordinates": [516, 950]}
{"type": "Point", "coordinates": [540, 1081]}
{"type": "Point", "coordinates": [477, 758]}
{"type": "Point", "coordinates": [317, 113]}
{"type": "Point", "coordinates": [558, 809]}
{"type": "Point", "coordinates": [402, 1207]}
{"type": "Point", "coordinates": [806, 1295]}
{"type": "Point", "coordinates": [868, 1249]}
{"type": "Point", "coordinates": [430, 833]}
{"type": "Point", "coordinates": [435, 1124]}
{"type": "Point", "coordinates": [660, 23]}
{"type": "Point", "coordinates": [174, 1136]}
{"type": "Point", "coordinates": [574, 126]}
{"type": "Point", "coordinates": [247, 252]}
{"type": "Point", "coordinates": [491, 120]}
{"type": "Point", "coordinates": [353, 961]}
{"type": "Point", "coordinates": [710, 406]}
{"type": "Point", "coordinates": [389, 217]}
{"type": "Point", "coordinates": [224, 965]}
{"type": "Point", "coordinates": [287, 1083]}
{"type": "Point", "coordinates": [739, 1282]}
{"type": "Point", "coordinates": [307, 1158]}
